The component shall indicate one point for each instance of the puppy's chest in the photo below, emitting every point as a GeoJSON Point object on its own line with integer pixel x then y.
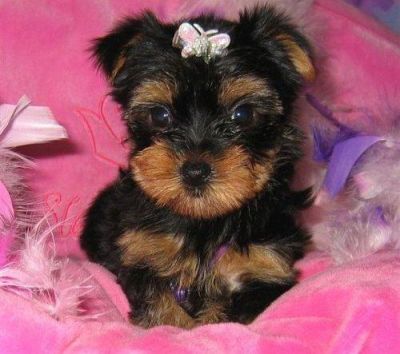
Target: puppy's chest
{"type": "Point", "coordinates": [169, 258]}
{"type": "Point", "coordinates": [218, 270]}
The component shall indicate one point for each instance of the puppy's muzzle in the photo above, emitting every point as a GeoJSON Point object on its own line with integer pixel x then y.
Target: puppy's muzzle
{"type": "Point", "coordinates": [195, 173]}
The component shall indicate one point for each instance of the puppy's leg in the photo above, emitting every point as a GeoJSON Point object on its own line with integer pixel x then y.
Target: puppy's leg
{"type": "Point", "coordinates": [243, 305]}
{"type": "Point", "coordinates": [213, 312]}
{"type": "Point", "coordinates": [151, 300]}
{"type": "Point", "coordinates": [253, 298]}
{"type": "Point", "coordinates": [162, 309]}
{"type": "Point", "coordinates": [253, 278]}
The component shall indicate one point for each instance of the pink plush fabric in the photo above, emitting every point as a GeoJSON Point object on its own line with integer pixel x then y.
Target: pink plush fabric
{"type": "Point", "coordinates": [360, 65]}
{"type": "Point", "coordinates": [347, 309]}
{"type": "Point", "coordinates": [344, 309]}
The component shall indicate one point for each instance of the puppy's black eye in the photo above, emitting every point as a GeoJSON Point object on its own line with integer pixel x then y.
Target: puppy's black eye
{"type": "Point", "coordinates": [160, 117]}
{"type": "Point", "coordinates": [243, 114]}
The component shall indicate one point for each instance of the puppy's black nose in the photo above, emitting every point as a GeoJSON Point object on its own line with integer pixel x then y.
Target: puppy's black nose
{"type": "Point", "coordinates": [195, 173]}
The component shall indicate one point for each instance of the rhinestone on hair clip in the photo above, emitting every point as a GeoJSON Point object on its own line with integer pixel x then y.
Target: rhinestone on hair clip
{"type": "Point", "coordinates": [194, 41]}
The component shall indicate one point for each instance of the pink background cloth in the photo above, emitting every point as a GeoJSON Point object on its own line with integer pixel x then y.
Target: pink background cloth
{"type": "Point", "coordinates": [352, 308]}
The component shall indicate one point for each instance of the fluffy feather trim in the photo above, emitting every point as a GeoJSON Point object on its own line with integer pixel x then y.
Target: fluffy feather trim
{"type": "Point", "coordinates": [56, 286]}
{"type": "Point", "coordinates": [365, 218]}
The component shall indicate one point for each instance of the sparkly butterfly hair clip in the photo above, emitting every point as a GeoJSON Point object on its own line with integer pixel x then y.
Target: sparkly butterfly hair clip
{"type": "Point", "coordinates": [194, 41]}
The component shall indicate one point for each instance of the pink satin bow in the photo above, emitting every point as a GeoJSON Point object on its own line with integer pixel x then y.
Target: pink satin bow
{"type": "Point", "coordinates": [22, 124]}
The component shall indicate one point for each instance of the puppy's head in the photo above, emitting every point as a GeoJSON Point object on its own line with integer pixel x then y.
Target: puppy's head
{"type": "Point", "coordinates": [208, 135]}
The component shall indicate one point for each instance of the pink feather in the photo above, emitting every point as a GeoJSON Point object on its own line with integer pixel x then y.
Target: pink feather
{"type": "Point", "coordinates": [60, 287]}
{"type": "Point", "coordinates": [28, 265]}
{"type": "Point", "coordinates": [7, 224]}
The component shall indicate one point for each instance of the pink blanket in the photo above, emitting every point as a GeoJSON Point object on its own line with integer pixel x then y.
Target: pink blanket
{"type": "Point", "coordinates": [352, 308]}
{"type": "Point", "coordinates": [347, 309]}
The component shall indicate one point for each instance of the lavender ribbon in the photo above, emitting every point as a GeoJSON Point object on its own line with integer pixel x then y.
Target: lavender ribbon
{"type": "Point", "coordinates": [344, 157]}
{"type": "Point", "coordinates": [341, 151]}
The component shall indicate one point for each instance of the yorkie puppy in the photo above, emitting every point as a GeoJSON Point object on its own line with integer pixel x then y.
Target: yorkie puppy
{"type": "Point", "coordinates": [201, 227]}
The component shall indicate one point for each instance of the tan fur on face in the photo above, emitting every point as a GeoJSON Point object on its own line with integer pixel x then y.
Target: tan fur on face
{"type": "Point", "coordinates": [160, 252]}
{"type": "Point", "coordinates": [299, 57]}
{"type": "Point", "coordinates": [260, 263]}
{"type": "Point", "coordinates": [236, 179]}
{"type": "Point", "coordinates": [234, 89]}
{"type": "Point", "coordinates": [154, 91]}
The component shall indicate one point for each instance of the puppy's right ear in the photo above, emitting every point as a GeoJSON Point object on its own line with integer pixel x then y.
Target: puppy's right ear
{"type": "Point", "coordinates": [111, 51]}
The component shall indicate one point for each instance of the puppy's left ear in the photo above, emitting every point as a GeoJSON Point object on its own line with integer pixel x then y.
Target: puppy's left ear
{"type": "Point", "coordinates": [274, 31]}
{"type": "Point", "coordinates": [299, 55]}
